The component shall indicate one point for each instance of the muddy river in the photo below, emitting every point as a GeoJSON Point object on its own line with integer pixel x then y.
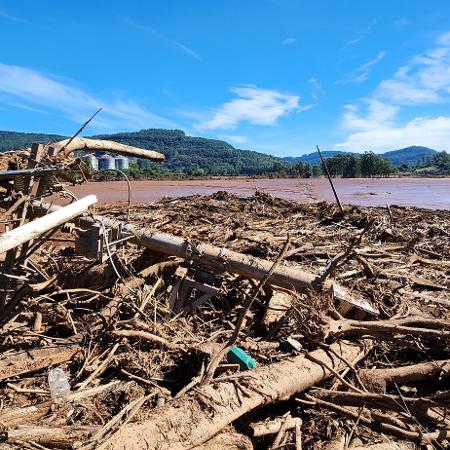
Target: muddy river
{"type": "Point", "coordinates": [433, 193]}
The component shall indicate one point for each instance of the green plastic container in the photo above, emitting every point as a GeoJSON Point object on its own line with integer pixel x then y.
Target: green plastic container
{"type": "Point", "coordinates": [237, 356]}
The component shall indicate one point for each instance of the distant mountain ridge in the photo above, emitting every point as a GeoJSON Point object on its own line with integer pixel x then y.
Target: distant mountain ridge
{"type": "Point", "coordinates": [202, 156]}
{"type": "Point", "coordinates": [408, 155]}
{"type": "Point", "coordinates": [314, 158]}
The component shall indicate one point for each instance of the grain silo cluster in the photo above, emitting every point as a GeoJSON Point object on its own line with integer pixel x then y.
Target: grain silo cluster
{"type": "Point", "coordinates": [107, 162]}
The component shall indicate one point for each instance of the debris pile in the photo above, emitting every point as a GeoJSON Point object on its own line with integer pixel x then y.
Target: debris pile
{"type": "Point", "coordinates": [221, 323]}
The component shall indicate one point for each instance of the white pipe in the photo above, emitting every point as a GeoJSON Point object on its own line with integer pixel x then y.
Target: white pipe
{"type": "Point", "coordinates": [37, 227]}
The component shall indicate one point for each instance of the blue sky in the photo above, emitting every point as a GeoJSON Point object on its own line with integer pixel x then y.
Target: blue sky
{"type": "Point", "coordinates": [276, 76]}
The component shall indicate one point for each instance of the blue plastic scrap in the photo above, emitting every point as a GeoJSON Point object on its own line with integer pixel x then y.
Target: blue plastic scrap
{"type": "Point", "coordinates": [237, 356]}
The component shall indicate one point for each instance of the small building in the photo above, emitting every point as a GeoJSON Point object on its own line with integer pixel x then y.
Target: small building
{"type": "Point", "coordinates": [106, 162]}
{"type": "Point", "coordinates": [122, 162]}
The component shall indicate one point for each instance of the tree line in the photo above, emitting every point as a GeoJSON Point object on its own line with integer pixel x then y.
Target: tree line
{"type": "Point", "coordinates": [438, 164]}
{"type": "Point", "coordinates": [346, 166]}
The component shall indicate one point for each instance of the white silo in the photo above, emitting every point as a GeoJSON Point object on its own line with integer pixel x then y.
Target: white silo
{"type": "Point", "coordinates": [92, 161]}
{"type": "Point", "coordinates": [122, 162]}
{"type": "Point", "coordinates": [106, 162]}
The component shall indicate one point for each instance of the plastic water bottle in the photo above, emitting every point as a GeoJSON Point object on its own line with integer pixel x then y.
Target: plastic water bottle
{"type": "Point", "coordinates": [59, 386]}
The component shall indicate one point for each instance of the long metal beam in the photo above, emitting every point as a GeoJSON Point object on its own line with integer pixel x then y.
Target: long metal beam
{"type": "Point", "coordinates": [218, 258]}
{"type": "Point", "coordinates": [11, 174]}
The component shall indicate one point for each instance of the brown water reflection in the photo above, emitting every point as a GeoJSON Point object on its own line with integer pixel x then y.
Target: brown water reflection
{"type": "Point", "coordinates": [433, 193]}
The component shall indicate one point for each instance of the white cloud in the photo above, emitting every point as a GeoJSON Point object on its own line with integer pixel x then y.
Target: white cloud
{"type": "Point", "coordinates": [353, 41]}
{"type": "Point", "coordinates": [318, 90]}
{"type": "Point", "coordinates": [428, 132]}
{"type": "Point", "coordinates": [305, 108]}
{"type": "Point", "coordinates": [253, 105]}
{"type": "Point", "coordinates": [289, 40]}
{"type": "Point", "coordinates": [425, 80]}
{"type": "Point", "coordinates": [29, 89]}
{"type": "Point", "coordinates": [378, 114]}
{"type": "Point", "coordinates": [362, 72]}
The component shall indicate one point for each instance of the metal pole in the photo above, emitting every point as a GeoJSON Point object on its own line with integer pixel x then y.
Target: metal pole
{"type": "Point", "coordinates": [325, 168]}
{"type": "Point", "coordinates": [11, 174]}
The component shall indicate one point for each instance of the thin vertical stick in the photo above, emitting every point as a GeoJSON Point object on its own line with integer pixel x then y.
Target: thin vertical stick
{"type": "Point", "coordinates": [298, 434]}
{"type": "Point", "coordinates": [329, 179]}
{"type": "Point", "coordinates": [212, 366]}
{"type": "Point", "coordinates": [281, 433]}
{"type": "Point", "coordinates": [85, 124]}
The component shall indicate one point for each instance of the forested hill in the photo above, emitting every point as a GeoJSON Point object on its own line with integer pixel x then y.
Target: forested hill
{"type": "Point", "coordinates": [410, 155]}
{"type": "Point", "coordinates": [11, 140]}
{"type": "Point", "coordinates": [314, 158]}
{"type": "Point", "coordinates": [188, 155]}
{"type": "Point", "coordinates": [197, 155]}
{"type": "Point", "coordinates": [184, 154]}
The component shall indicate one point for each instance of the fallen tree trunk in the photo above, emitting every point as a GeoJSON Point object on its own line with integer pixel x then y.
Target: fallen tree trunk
{"type": "Point", "coordinates": [220, 259]}
{"type": "Point", "coordinates": [227, 440]}
{"type": "Point", "coordinates": [60, 437]}
{"type": "Point", "coordinates": [382, 423]}
{"type": "Point", "coordinates": [26, 361]}
{"type": "Point", "coordinates": [199, 415]}
{"type": "Point", "coordinates": [37, 227]}
{"type": "Point", "coordinates": [64, 148]}
{"type": "Point", "coordinates": [259, 429]}
{"type": "Point", "coordinates": [408, 374]}
{"type": "Point", "coordinates": [386, 329]}
{"type": "Point", "coordinates": [277, 306]}
{"type": "Point", "coordinates": [15, 417]}
{"type": "Point", "coordinates": [386, 446]}
{"type": "Point", "coordinates": [374, 400]}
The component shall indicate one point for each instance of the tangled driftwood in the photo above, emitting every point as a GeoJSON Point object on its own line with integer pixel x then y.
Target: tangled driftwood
{"type": "Point", "coordinates": [347, 320]}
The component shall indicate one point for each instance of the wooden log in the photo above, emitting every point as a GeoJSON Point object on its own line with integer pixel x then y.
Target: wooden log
{"type": "Point", "coordinates": [276, 308]}
{"type": "Point", "coordinates": [186, 422]}
{"type": "Point", "coordinates": [387, 446]}
{"type": "Point", "coordinates": [64, 148]}
{"type": "Point", "coordinates": [389, 329]}
{"type": "Point", "coordinates": [384, 402]}
{"type": "Point", "coordinates": [36, 228]}
{"type": "Point", "coordinates": [408, 374]}
{"type": "Point", "coordinates": [146, 336]}
{"type": "Point", "coordinates": [259, 429]}
{"type": "Point", "coordinates": [60, 437]}
{"type": "Point", "coordinates": [15, 417]}
{"type": "Point", "coordinates": [227, 440]}
{"type": "Point", "coordinates": [18, 363]}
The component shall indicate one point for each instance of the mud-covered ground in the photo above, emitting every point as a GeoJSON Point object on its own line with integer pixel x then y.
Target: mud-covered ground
{"type": "Point", "coordinates": [423, 192]}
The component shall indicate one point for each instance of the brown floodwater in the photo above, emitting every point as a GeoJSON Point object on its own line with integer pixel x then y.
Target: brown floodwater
{"type": "Point", "coordinates": [432, 193]}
